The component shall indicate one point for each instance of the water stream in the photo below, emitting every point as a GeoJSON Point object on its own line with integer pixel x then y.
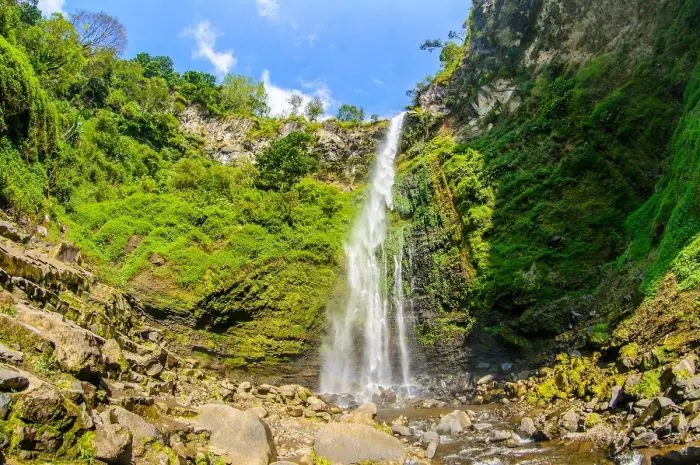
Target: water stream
{"type": "Point", "coordinates": [359, 355]}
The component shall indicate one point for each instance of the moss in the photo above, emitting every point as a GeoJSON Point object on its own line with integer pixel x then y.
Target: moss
{"type": "Point", "coordinates": [593, 419]}
{"type": "Point", "coordinates": [649, 386]}
{"type": "Point", "coordinates": [630, 351]}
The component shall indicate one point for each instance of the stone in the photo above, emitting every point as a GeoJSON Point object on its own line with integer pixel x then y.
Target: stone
{"type": "Point", "coordinates": [484, 380]}
{"type": "Point", "coordinates": [659, 407]}
{"type": "Point", "coordinates": [12, 381]}
{"type": "Point", "coordinates": [615, 397]}
{"type": "Point", "coordinates": [644, 440]}
{"type": "Point", "coordinates": [114, 357]}
{"type": "Point", "coordinates": [295, 411]}
{"type": "Point", "coordinates": [41, 405]}
{"type": "Point", "coordinates": [113, 444]}
{"type": "Point", "coordinates": [13, 233]}
{"type": "Point", "coordinates": [5, 404]}
{"type": "Point", "coordinates": [401, 430]}
{"type": "Point", "coordinates": [10, 356]}
{"type": "Point", "coordinates": [527, 427]}
{"type": "Point", "coordinates": [154, 370]}
{"type": "Point", "coordinates": [430, 436]}
{"type": "Point", "coordinates": [260, 412]}
{"type": "Point", "coordinates": [679, 423]}
{"type": "Point", "coordinates": [244, 387]}
{"type": "Point", "coordinates": [431, 450]}
{"type": "Point", "coordinates": [694, 422]}
{"type": "Point", "coordinates": [288, 391]}
{"type": "Point", "coordinates": [569, 421]}
{"type": "Point", "coordinates": [143, 433]}
{"type": "Point", "coordinates": [243, 437]}
{"type": "Point", "coordinates": [691, 388]}
{"type": "Point", "coordinates": [481, 427]}
{"type": "Point", "coordinates": [499, 435]}
{"type": "Point", "coordinates": [351, 443]}
{"type": "Point", "coordinates": [684, 368]}
{"type": "Point", "coordinates": [454, 423]}
{"type": "Point", "coordinates": [691, 407]}
{"type": "Point", "coordinates": [316, 404]}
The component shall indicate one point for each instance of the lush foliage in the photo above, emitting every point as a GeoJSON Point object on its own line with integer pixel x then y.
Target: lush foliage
{"type": "Point", "coordinates": [286, 161]}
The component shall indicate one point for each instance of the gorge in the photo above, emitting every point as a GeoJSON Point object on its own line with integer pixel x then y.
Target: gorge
{"type": "Point", "coordinates": [507, 272]}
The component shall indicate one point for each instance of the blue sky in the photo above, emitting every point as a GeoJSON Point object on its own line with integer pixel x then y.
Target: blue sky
{"type": "Point", "coordinates": [363, 52]}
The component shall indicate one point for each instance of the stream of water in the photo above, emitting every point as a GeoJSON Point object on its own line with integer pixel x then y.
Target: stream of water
{"type": "Point", "coordinates": [358, 357]}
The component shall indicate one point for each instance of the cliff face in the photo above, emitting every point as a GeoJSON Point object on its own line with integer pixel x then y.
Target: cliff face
{"type": "Point", "coordinates": [559, 142]}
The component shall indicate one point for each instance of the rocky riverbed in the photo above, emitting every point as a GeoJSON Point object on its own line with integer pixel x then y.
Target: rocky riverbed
{"type": "Point", "coordinates": [87, 377]}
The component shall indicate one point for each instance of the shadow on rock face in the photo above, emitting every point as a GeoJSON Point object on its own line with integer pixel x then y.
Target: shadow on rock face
{"type": "Point", "coordinates": [687, 456]}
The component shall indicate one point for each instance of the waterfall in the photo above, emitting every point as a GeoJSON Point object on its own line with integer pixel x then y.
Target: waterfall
{"type": "Point", "coordinates": [366, 320]}
{"type": "Point", "coordinates": [400, 316]}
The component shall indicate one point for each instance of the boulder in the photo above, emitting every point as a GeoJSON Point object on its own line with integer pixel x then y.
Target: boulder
{"type": "Point", "coordinates": [142, 432]}
{"type": "Point", "coordinates": [113, 444]}
{"type": "Point", "coordinates": [316, 404]}
{"type": "Point", "coordinates": [243, 437]}
{"type": "Point", "coordinates": [659, 407]}
{"type": "Point", "coordinates": [114, 357]}
{"type": "Point", "coordinates": [401, 430]}
{"type": "Point", "coordinates": [499, 435]}
{"type": "Point", "coordinates": [5, 405]}
{"type": "Point", "coordinates": [569, 421]}
{"type": "Point", "coordinates": [454, 423]}
{"type": "Point", "coordinates": [77, 350]}
{"type": "Point", "coordinates": [12, 381]}
{"type": "Point", "coordinates": [527, 427]}
{"type": "Point", "coordinates": [485, 379]}
{"type": "Point", "coordinates": [691, 388]}
{"type": "Point", "coordinates": [43, 404]}
{"type": "Point", "coordinates": [431, 450]}
{"type": "Point", "coordinates": [11, 356]}
{"type": "Point", "coordinates": [352, 443]}
{"type": "Point", "coordinates": [645, 439]}
{"type": "Point", "coordinates": [430, 436]}
{"type": "Point", "coordinates": [615, 396]}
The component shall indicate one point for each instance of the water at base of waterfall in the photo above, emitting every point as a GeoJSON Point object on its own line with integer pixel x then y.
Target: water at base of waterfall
{"type": "Point", "coordinates": [365, 352]}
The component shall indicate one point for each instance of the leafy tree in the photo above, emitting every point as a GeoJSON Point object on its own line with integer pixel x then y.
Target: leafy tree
{"type": "Point", "coordinates": [243, 95]}
{"type": "Point", "coordinates": [157, 66]}
{"type": "Point", "coordinates": [55, 52]}
{"type": "Point", "coordinates": [450, 52]}
{"type": "Point", "coordinates": [285, 162]}
{"type": "Point", "coordinates": [295, 102]}
{"type": "Point", "coordinates": [99, 31]}
{"type": "Point", "coordinates": [200, 88]}
{"type": "Point", "coordinates": [314, 109]}
{"type": "Point", "coordinates": [351, 113]}
{"type": "Point", "coordinates": [374, 118]}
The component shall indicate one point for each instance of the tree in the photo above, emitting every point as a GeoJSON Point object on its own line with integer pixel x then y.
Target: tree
{"type": "Point", "coordinates": [99, 31]}
{"type": "Point", "coordinates": [157, 66]}
{"type": "Point", "coordinates": [351, 113]}
{"type": "Point", "coordinates": [431, 45]}
{"type": "Point", "coordinates": [243, 95]}
{"type": "Point", "coordinates": [374, 118]}
{"type": "Point", "coordinates": [285, 162]}
{"type": "Point", "coordinates": [314, 109]}
{"type": "Point", "coordinates": [295, 102]}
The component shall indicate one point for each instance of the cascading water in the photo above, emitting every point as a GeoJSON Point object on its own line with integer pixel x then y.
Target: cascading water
{"type": "Point", "coordinates": [347, 368]}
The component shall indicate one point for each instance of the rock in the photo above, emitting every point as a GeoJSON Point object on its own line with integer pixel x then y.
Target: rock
{"type": "Point", "coordinates": [499, 435]}
{"type": "Point", "coordinates": [659, 407]}
{"type": "Point", "coordinates": [685, 368]}
{"type": "Point", "coordinates": [569, 421]}
{"type": "Point", "coordinates": [692, 407]}
{"type": "Point", "coordinates": [143, 433]}
{"type": "Point", "coordinates": [260, 412]}
{"type": "Point", "coordinates": [12, 381]}
{"type": "Point", "coordinates": [244, 387]}
{"type": "Point", "coordinates": [316, 404]}
{"type": "Point", "coordinates": [77, 350]}
{"type": "Point", "coordinates": [352, 443]}
{"type": "Point", "coordinates": [114, 357]}
{"type": "Point", "coordinates": [694, 422]}
{"type": "Point", "coordinates": [113, 444]}
{"type": "Point", "coordinates": [527, 427]}
{"type": "Point", "coordinates": [644, 440]}
{"type": "Point", "coordinates": [11, 356]}
{"type": "Point", "coordinates": [431, 450]}
{"type": "Point", "coordinates": [454, 423]}
{"type": "Point", "coordinates": [154, 370]}
{"type": "Point", "coordinates": [242, 436]}
{"type": "Point", "coordinates": [363, 415]}
{"type": "Point", "coordinates": [401, 430]}
{"type": "Point", "coordinates": [288, 391]}
{"type": "Point", "coordinates": [13, 233]}
{"type": "Point", "coordinates": [679, 423]}
{"type": "Point", "coordinates": [5, 403]}
{"type": "Point", "coordinates": [295, 411]}
{"type": "Point", "coordinates": [484, 380]}
{"type": "Point", "coordinates": [691, 388]}
{"type": "Point", "coordinates": [42, 231]}
{"type": "Point", "coordinates": [430, 436]}
{"type": "Point", "coordinates": [615, 396]}
{"type": "Point", "coordinates": [481, 427]}
{"type": "Point", "coordinates": [43, 405]}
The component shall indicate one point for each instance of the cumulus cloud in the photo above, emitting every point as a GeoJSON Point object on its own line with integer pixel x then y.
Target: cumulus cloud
{"type": "Point", "coordinates": [278, 97]}
{"type": "Point", "coordinates": [51, 6]}
{"type": "Point", "coordinates": [205, 36]}
{"type": "Point", "coordinates": [268, 8]}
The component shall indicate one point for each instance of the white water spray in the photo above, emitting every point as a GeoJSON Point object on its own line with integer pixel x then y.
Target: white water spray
{"type": "Point", "coordinates": [400, 316]}
{"type": "Point", "coordinates": [347, 368]}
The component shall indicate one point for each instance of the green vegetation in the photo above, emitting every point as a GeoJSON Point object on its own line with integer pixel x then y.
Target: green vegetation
{"type": "Point", "coordinates": [351, 113]}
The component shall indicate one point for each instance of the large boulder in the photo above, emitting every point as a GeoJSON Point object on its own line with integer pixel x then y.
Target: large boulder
{"type": "Point", "coordinates": [353, 443]}
{"type": "Point", "coordinates": [43, 405]}
{"type": "Point", "coordinates": [113, 444]}
{"type": "Point", "coordinates": [142, 432]}
{"type": "Point", "coordinates": [454, 423]}
{"type": "Point", "coordinates": [241, 436]}
{"type": "Point", "coordinates": [11, 380]}
{"type": "Point", "coordinates": [77, 350]}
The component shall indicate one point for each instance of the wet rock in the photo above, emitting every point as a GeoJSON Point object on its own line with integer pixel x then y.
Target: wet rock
{"type": "Point", "coordinates": [646, 439]}
{"type": "Point", "coordinates": [686, 456]}
{"type": "Point", "coordinates": [527, 427]}
{"type": "Point", "coordinates": [352, 443]}
{"type": "Point", "coordinates": [113, 444]}
{"type": "Point", "coordinates": [499, 435]}
{"type": "Point", "coordinates": [242, 436]}
{"type": "Point", "coordinates": [12, 381]}
{"type": "Point", "coordinates": [11, 356]}
{"type": "Point", "coordinates": [454, 423]}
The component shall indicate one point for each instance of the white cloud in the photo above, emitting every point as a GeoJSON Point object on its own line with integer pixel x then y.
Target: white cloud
{"type": "Point", "coordinates": [278, 97]}
{"type": "Point", "coordinates": [268, 8]}
{"type": "Point", "coordinates": [51, 6]}
{"type": "Point", "coordinates": [205, 36]}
